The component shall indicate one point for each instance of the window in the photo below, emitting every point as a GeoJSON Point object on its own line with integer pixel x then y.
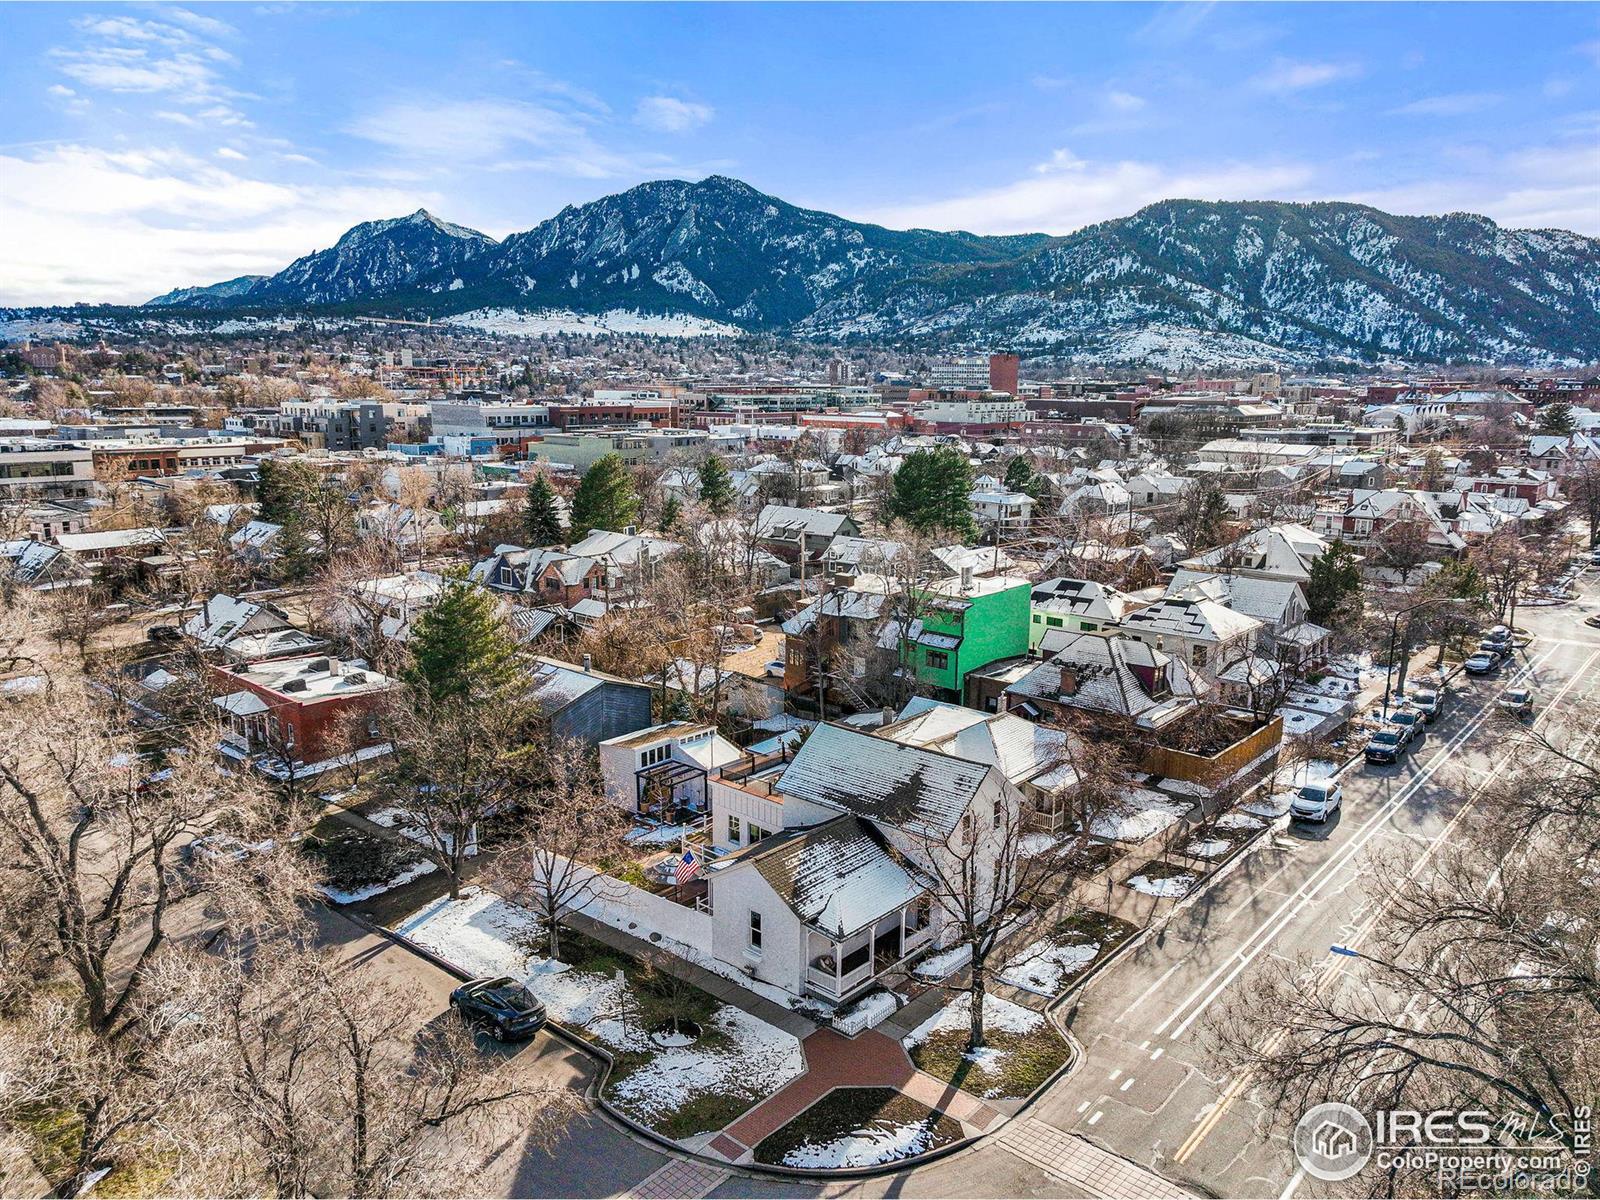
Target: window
{"type": "Point", "coordinates": [735, 830]}
{"type": "Point", "coordinates": [757, 833]}
{"type": "Point", "coordinates": [856, 958]}
{"type": "Point", "coordinates": [1088, 626]}
{"type": "Point", "coordinates": [755, 931]}
{"type": "Point", "coordinates": [998, 810]}
{"type": "Point", "coordinates": [1037, 619]}
{"type": "Point", "coordinates": [938, 660]}
{"type": "Point", "coordinates": [1199, 656]}
{"type": "Point", "coordinates": [655, 754]}
{"type": "Point", "coordinates": [1054, 622]}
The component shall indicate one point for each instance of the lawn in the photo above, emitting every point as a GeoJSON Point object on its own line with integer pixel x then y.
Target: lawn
{"type": "Point", "coordinates": [1049, 964]}
{"type": "Point", "coordinates": [679, 1090]}
{"type": "Point", "coordinates": [858, 1127]}
{"type": "Point", "coordinates": [1021, 1049]}
{"type": "Point", "coordinates": [357, 866]}
{"type": "Point", "coordinates": [1169, 881]}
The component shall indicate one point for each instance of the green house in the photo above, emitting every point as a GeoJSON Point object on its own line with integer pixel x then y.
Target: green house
{"type": "Point", "coordinates": [966, 624]}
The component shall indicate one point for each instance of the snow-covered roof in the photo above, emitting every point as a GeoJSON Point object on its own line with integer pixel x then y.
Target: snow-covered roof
{"type": "Point", "coordinates": [1198, 619]}
{"type": "Point", "coordinates": [1024, 752]}
{"type": "Point", "coordinates": [782, 520]}
{"type": "Point", "coordinates": [109, 539]}
{"type": "Point", "coordinates": [837, 877]}
{"type": "Point", "coordinates": [903, 786]}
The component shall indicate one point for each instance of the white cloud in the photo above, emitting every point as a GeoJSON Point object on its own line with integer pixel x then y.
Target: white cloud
{"type": "Point", "coordinates": [126, 54]}
{"type": "Point", "coordinates": [1291, 75]}
{"type": "Point", "coordinates": [1124, 102]}
{"type": "Point", "coordinates": [1067, 193]}
{"type": "Point", "coordinates": [88, 224]}
{"type": "Point", "coordinates": [232, 155]}
{"type": "Point", "coordinates": [1453, 104]}
{"type": "Point", "coordinates": [1174, 22]}
{"type": "Point", "coordinates": [56, 89]}
{"type": "Point", "coordinates": [668, 114]}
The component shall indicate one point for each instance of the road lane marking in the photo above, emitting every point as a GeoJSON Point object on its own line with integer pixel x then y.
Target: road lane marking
{"type": "Point", "coordinates": [1145, 995]}
{"type": "Point", "coordinates": [1280, 918]}
{"type": "Point", "coordinates": [1336, 966]}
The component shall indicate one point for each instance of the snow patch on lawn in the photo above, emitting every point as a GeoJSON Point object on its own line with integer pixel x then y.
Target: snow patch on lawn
{"type": "Point", "coordinates": [1208, 848]}
{"type": "Point", "coordinates": [863, 1148]}
{"type": "Point", "coordinates": [1172, 887]}
{"type": "Point", "coordinates": [1043, 966]}
{"type": "Point", "coordinates": [1238, 820]}
{"type": "Point", "coordinates": [399, 820]}
{"type": "Point", "coordinates": [999, 1016]}
{"type": "Point", "coordinates": [1140, 814]}
{"type": "Point", "coordinates": [405, 875]}
{"type": "Point", "coordinates": [943, 964]}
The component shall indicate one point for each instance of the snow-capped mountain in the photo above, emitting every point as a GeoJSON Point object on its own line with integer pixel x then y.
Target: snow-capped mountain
{"type": "Point", "coordinates": [403, 256]}
{"type": "Point", "coordinates": [1179, 283]}
{"type": "Point", "coordinates": [217, 294]}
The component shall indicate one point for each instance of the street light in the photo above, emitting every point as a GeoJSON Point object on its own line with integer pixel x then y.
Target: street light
{"type": "Point", "coordinates": [1394, 634]}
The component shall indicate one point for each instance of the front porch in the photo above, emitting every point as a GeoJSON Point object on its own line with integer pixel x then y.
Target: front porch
{"type": "Point", "coordinates": [838, 968]}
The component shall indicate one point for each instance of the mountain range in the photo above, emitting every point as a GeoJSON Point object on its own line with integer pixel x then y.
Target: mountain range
{"type": "Point", "coordinates": [1179, 283]}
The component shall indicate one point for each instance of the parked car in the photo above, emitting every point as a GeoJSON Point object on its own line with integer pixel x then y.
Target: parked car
{"type": "Point", "coordinates": [1409, 720]}
{"type": "Point", "coordinates": [164, 633]}
{"type": "Point", "coordinates": [1500, 650]}
{"type": "Point", "coordinates": [1593, 621]}
{"type": "Point", "coordinates": [1500, 636]}
{"type": "Point", "coordinates": [1387, 745]}
{"type": "Point", "coordinates": [1516, 701]}
{"type": "Point", "coordinates": [1429, 702]}
{"type": "Point", "coordinates": [1481, 663]}
{"type": "Point", "coordinates": [503, 1007]}
{"type": "Point", "coordinates": [775, 668]}
{"type": "Point", "coordinates": [1316, 800]}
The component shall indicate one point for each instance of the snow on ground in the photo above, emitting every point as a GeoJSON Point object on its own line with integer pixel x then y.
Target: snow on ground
{"type": "Point", "coordinates": [399, 820]}
{"type": "Point", "coordinates": [882, 1143]}
{"type": "Point", "coordinates": [999, 1016]}
{"type": "Point", "coordinates": [1238, 820]}
{"type": "Point", "coordinates": [943, 964]}
{"type": "Point", "coordinates": [1141, 813]}
{"type": "Point", "coordinates": [1297, 723]}
{"type": "Point", "coordinates": [406, 874]}
{"type": "Point", "coordinates": [1045, 965]}
{"type": "Point", "coordinates": [616, 320]}
{"type": "Point", "coordinates": [1208, 848]}
{"type": "Point", "coordinates": [1171, 887]}
{"type": "Point", "coordinates": [485, 935]}
{"type": "Point", "coordinates": [1275, 805]}
{"type": "Point", "coordinates": [1317, 768]}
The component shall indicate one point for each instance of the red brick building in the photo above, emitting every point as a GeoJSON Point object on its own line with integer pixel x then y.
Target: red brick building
{"type": "Point", "coordinates": [303, 714]}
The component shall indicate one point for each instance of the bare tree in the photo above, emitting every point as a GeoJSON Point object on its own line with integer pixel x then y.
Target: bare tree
{"type": "Point", "coordinates": [556, 865]}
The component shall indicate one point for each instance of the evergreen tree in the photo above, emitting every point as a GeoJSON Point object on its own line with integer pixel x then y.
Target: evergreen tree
{"type": "Point", "coordinates": [605, 498]}
{"type": "Point", "coordinates": [541, 517]}
{"type": "Point", "coordinates": [670, 512]}
{"type": "Point", "coordinates": [932, 493]}
{"type": "Point", "coordinates": [1556, 418]}
{"type": "Point", "coordinates": [280, 491]}
{"type": "Point", "coordinates": [462, 652]}
{"type": "Point", "coordinates": [1020, 477]}
{"type": "Point", "coordinates": [1334, 583]}
{"type": "Point", "coordinates": [716, 486]}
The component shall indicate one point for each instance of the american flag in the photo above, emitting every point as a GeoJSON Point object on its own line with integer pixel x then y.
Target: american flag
{"type": "Point", "coordinates": [688, 867]}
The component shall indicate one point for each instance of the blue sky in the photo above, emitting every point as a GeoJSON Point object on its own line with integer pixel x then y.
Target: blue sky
{"type": "Point", "coordinates": [148, 146]}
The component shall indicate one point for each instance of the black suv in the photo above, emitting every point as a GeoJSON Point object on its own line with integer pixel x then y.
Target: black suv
{"type": "Point", "coordinates": [506, 1009]}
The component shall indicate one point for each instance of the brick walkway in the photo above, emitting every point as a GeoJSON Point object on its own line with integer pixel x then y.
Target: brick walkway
{"type": "Point", "coordinates": [1084, 1164]}
{"type": "Point", "coordinates": [833, 1060]}
{"type": "Point", "coordinates": [678, 1180]}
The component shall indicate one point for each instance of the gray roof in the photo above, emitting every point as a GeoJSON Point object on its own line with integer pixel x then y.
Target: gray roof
{"type": "Point", "coordinates": [837, 877]}
{"type": "Point", "coordinates": [906, 787]}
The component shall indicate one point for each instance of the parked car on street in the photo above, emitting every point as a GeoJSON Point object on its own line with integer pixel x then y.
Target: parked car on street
{"type": "Point", "coordinates": [1409, 720]}
{"type": "Point", "coordinates": [1387, 745]}
{"type": "Point", "coordinates": [505, 1009]}
{"type": "Point", "coordinates": [1481, 663]}
{"type": "Point", "coordinates": [1316, 800]}
{"type": "Point", "coordinates": [1429, 702]}
{"type": "Point", "coordinates": [775, 668]}
{"type": "Point", "coordinates": [1516, 701]}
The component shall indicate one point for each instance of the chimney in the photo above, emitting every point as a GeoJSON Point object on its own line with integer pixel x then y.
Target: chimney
{"type": "Point", "coordinates": [588, 662]}
{"type": "Point", "coordinates": [887, 715]}
{"type": "Point", "coordinates": [966, 579]}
